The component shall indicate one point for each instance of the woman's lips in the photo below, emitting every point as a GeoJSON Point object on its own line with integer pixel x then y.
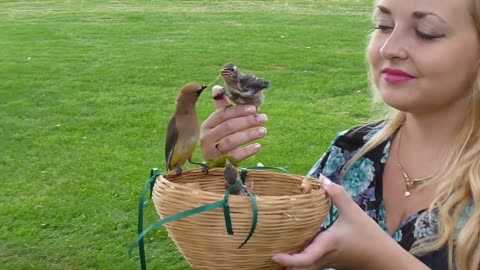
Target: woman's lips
{"type": "Point", "coordinates": [396, 76]}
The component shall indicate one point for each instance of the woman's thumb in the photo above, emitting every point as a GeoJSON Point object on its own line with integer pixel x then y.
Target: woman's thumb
{"type": "Point", "coordinates": [339, 196]}
{"type": "Point", "coordinates": [219, 97]}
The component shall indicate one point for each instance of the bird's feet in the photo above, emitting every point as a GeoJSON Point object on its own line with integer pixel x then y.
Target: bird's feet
{"type": "Point", "coordinates": [178, 170]}
{"type": "Point", "coordinates": [227, 107]}
{"type": "Point", "coordinates": [205, 168]}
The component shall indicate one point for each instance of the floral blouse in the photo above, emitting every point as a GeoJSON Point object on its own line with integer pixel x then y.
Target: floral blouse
{"type": "Point", "coordinates": [363, 182]}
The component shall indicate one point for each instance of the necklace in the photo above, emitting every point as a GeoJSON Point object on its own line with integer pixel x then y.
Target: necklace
{"type": "Point", "coordinates": [410, 183]}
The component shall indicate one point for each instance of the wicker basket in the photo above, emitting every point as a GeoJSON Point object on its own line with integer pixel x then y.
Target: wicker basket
{"type": "Point", "coordinates": [287, 218]}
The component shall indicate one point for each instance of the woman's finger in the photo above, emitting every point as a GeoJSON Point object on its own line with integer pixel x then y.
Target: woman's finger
{"type": "Point", "coordinates": [235, 125]}
{"type": "Point", "coordinates": [233, 141]}
{"type": "Point", "coordinates": [213, 147]}
{"type": "Point", "coordinates": [225, 113]}
{"type": "Point", "coordinates": [310, 256]}
{"type": "Point", "coordinates": [245, 152]}
{"type": "Point", "coordinates": [295, 260]}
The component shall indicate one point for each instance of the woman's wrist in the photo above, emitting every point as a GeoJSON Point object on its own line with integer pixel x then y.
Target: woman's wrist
{"type": "Point", "coordinates": [390, 255]}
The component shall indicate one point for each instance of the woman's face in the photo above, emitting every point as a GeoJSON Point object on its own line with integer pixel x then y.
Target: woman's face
{"type": "Point", "coordinates": [423, 54]}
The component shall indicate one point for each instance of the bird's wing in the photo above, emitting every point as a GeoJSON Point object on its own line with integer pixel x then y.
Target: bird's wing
{"type": "Point", "coordinates": [172, 135]}
{"type": "Point", "coordinates": [250, 83]}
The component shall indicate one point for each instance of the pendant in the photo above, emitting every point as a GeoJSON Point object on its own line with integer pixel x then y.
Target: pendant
{"type": "Point", "coordinates": [407, 193]}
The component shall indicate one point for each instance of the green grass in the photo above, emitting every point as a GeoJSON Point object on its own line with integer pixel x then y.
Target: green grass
{"type": "Point", "coordinates": [87, 87]}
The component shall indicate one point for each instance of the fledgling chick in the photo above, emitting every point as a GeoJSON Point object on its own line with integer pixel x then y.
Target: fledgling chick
{"type": "Point", "coordinates": [242, 88]}
{"type": "Point", "coordinates": [183, 130]}
{"type": "Point", "coordinates": [232, 177]}
{"type": "Point", "coordinates": [309, 184]}
{"type": "Point", "coordinates": [306, 186]}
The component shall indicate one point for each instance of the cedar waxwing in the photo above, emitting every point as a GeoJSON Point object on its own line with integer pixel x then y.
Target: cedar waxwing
{"type": "Point", "coordinates": [183, 130]}
{"type": "Point", "coordinates": [232, 177]}
{"type": "Point", "coordinates": [242, 88]}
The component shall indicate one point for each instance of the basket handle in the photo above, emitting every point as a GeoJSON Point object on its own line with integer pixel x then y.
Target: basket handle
{"type": "Point", "coordinates": [222, 203]}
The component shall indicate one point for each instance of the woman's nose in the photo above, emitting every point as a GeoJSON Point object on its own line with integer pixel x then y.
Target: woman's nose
{"type": "Point", "coordinates": [394, 46]}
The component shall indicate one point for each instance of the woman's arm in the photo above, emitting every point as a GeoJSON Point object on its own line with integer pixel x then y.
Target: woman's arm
{"type": "Point", "coordinates": [354, 241]}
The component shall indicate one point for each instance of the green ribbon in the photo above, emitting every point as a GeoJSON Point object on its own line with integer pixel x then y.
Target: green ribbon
{"type": "Point", "coordinates": [254, 218]}
{"type": "Point", "coordinates": [226, 211]}
{"type": "Point", "coordinates": [142, 202]}
{"type": "Point", "coordinates": [243, 172]}
{"type": "Point", "coordinates": [222, 203]}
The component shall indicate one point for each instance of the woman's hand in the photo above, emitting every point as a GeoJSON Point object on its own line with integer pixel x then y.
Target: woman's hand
{"type": "Point", "coordinates": [354, 241]}
{"type": "Point", "coordinates": [228, 128]}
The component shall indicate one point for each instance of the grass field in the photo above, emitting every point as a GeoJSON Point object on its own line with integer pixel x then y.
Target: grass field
{"type": "Point", "coordinates": [87, 87]}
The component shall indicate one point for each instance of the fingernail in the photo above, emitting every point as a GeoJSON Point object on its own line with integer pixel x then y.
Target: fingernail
{"type": "Point", "coordinates": [262, 131]}
{"type": "Point", "coordinates": [261, 118]}
{"type": "Point", "coordinates": [251, 109]}
{"type": "Point", "coordinates": [326, 181]}
{"type": "Point", "coordinates": [257, 146]}
{"type": "Point", "coordinates": [275, 258]}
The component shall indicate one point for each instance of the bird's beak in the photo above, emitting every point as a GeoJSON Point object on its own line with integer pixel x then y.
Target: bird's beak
{"type": "Point", "coordinates": [201, 89]}
{"type": "Point", "coordinates": [228, 164]}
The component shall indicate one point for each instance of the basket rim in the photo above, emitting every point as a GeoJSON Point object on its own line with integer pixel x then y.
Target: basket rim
{"type": "Point", "coordinates": [165, 178]}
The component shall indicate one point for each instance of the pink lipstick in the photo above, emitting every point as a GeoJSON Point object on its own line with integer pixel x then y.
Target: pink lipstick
{"type": "Point", "coordinates": [396, 76]}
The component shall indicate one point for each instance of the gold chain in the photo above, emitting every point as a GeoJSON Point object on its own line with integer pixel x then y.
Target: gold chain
{"type": "Point", "coordinates": [410, 184]}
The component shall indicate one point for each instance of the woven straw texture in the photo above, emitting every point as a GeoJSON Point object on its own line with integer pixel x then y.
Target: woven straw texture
{"type": "Point", "coordinates": [287, 218]}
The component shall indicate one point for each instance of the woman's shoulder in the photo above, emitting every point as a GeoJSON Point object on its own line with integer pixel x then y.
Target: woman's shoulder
{"type": "Point", "coordinates": [344, 147]}
{"type": "Point", "coordinates": [357, 136]}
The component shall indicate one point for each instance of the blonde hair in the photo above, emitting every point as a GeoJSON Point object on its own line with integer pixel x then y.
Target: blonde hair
{"type": "Point", "coordinates": [459, 186]}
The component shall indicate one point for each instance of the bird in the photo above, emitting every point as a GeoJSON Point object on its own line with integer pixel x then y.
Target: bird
{"type": "Point", "coordinates": [231, 178]}
{"type": "Point", "coordinates": [308, 184]}
{"type": "Point", "coordinates": [183, 130]}
{"type": "Point", "coordinates": [242, 88]}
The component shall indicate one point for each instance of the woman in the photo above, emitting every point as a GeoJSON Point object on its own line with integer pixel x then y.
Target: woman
{"type": "Point", "coordinates": [415, 175]}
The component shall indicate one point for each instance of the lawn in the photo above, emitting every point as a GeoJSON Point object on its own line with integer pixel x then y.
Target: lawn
{"type": "Point", "coordinates": [87, 87]}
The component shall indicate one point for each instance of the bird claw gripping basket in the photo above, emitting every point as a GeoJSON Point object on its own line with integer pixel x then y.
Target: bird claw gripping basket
{"type": "Point", "coordinates": [277, 217]}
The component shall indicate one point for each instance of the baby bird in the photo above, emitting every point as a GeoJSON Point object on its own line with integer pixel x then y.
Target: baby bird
{"type": "Point", "coordinates": [242, 88]}
{"type": "Point", "coordinates": [231, 178]}
{"type": "Point", "coordinates": [308, 184]}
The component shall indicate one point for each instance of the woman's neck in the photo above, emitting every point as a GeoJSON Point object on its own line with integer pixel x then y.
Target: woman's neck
{"type": "Point", "coordinates": [436, 128]}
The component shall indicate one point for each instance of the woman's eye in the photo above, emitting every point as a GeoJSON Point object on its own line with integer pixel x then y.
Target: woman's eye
{"type": "Point", "coordinates": [428, 36]}
{"type": "Point", "coordinates": [384, 28]}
